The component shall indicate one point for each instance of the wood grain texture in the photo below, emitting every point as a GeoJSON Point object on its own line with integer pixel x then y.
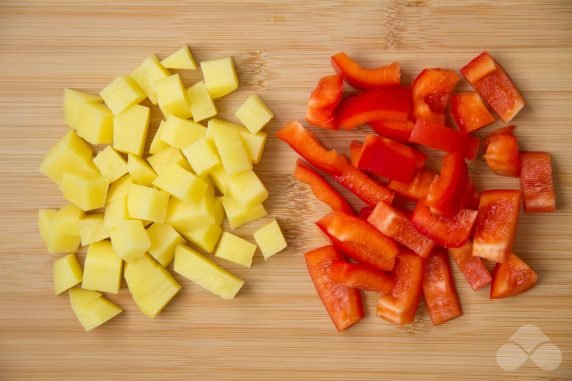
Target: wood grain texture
{"type": "Point", "coordinates": [276, 329]}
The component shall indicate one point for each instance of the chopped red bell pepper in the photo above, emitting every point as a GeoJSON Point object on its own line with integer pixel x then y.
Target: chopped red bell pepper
{"type": "Point", "coordinates": [344, 304]}
{"type": "Point", "coordinates": [393, 103]}
{"type": "Point", "coordinates": [444, 138]}
{"type": "Point", "coordinates": [365, 212]}
{"type": "Point", "coordinates": [469, 112]}
{"type": "Point", "coordinates": [445, 231]}
{"type": "Point", "coordinates": [396, 225]}
{"type": "Point", "coordinates": [321, 188]}
{"type": "Point", "coordinates": [359, 240]}
{"type": "Point", "coordinates": [358, 275]}
{"type": "Point", "coordinates": [363, 78]}
{"type": "Point", "coordinates": [416, 189]}
{"type": "Point", "coordinates": [398, 131]}
{"type": "Point", "coordinates": [400, 304]}
{"type": "Point", "coordinates": [323, 102]}
{"type": "Point", "coordinates": [355, 152]}
{"type": "Point", "coordinates": [512, 278]}
{"type": "Point", "coordinates": [473, 268]}
{"type": "Point", "coordinates": [536, 182]}
{"type": "Point", "coordinates": [471, 198]}
{"type": "Point", "coordinates": [431, 92]}
{"type": "Point", "coordinates": [447, 193]}
{"type": "Point", "coordinates": [496, 224]}
{"type": "Point", "coordinates": [439, 290]}
{"type": "Point", "coordinates": [502, 154]}
{"type": "Point", "coordinates": [420, 158]}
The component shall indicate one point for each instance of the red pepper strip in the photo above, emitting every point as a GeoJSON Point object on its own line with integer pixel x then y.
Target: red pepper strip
{"type": "Point", "coordinates": [445, 231]}
{"type": "Point", "coordinates": [355, 152]}
{"type": "Point", "coordinates": [359, 240]}
{"type": "Point", "coordinates": [323, 101]}
{"type": "Point", "coordinates": [365, 79]}
{"type": "Point", "coordinates": [416, 189]}
{"type": "Point", "coordinates": [365, 212]}
{"type": "Point", "coordinates": [344, 304]}
{"type": "Point", "coordinates": [471, 198]}
{"type": "Point", "coordinates": [358, 275]}
{"type": "Point", "coordinates": [396, 225]}
{"type": "Point", "coordinates": [431, 92]}
{"type": "Point", "coordinates": [400, 304]}
{"type": "Point", "coordinates": [473, 268]}
{"type": "Point", "coordinates": [444, 138]}
{"type": "Point", "coordinates": [393, 103]}
{"type": "Point", "coordinates": [512, 278]}
{"type": "Point", "coordinates": [496, 224]}
{"type": "Point", "coordinates": [469, 112]}
{"type": "Point", "coordinates": [502, 152]}
{"type": "Point", "coordinates": [439, 290]}
{"type": "Point", "coordinates": [536, 182]}
{"type": "Point", "coordinates": [420, 158]}
{"type": "Point", "coordinates": [447, 192]}
{"type": "Point", "coordinates": [494, 85]}
{"type": "Point", "coordinates": [398, 131]}
{"type": "Point", "coordinates": [321, 188]}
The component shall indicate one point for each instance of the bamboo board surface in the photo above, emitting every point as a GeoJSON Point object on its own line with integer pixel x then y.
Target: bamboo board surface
{"type": "Point", "coordinates": [277, 328]}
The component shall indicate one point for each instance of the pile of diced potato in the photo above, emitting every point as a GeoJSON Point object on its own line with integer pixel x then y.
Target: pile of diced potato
{"type": "Point", "coordinates": [137, 211]}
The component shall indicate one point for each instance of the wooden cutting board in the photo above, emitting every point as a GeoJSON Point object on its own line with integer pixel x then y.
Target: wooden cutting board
{"type": "Point", "coordinates": [277, 328]}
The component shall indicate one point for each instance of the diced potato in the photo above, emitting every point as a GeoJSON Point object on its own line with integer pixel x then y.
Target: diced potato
{"type": "Point", "coordinates": [181, 59]}
{"type": "Point", "coordinates": [187, 216]}
{"type": "Point", "coordinates": [180, 133]}
{"type": "Point", "coordinates": [85, 191]}
{"type": "Point", "coordinates": [102, 269]}
{"type": "Point", "coordinates": [207, 274]}
{"type": "Point", "coordinates": [67, 219]}
{"type": "Point", "coordinates": [235, 249]}
{"type": "Point", "coordinates": [56, 240]}
{"type": "Point", "coordinates": [95, 123]}
{"type": "Point", "coordinates": [80, 297]}
{"type": "Point", "coordinates": [205, 237]}
{"type": "Point", "coordinates": [130, 130]}
{"type": "Point", "coordinates": [163, 160]}
{"type": "Point", "coordinates": [144, 203]}
{"type": "Point", "coordinates": [172, 97]}
{"type": "Point", "coordinates": [110, 163]}
{"type": "Point", "coordinates": [182, 184]}
{"type": "Point", "coordinates": [115, 212]}
{"type": "Point", "coordinates": [270, 239]}
{"type": "Point", "coordinates": [73, 99]}
{"type": "Point", "coordinates": [118, 189]}
{"type": "Point", "coordinates": [230, 148]}
{"type": "Point", "coordinates": [247, 189]}
{"type": "Point", "coordinates": [121, 93]}
{"type": "Point", "coordinates": [150, 284]}
{"type": "Point", "coordinates": [157, 145]}
{"type": "Point", "coordinates": [254, 114]}
{"type": "Point", "coordinates": [164, 240]}
{"type": "Point", "coordinates": [130, 240]}
{"type": "Point", "coordinates": [67, 273]}
{"type": "Point", "coordinates": [220, 178]}
{"type": "Point", "coordinates": [238, 215]}
{"type": "Point", "coordinates": [91, 308]}
{"type": "Point", "coordinates": [140, 170]}
{"type": "Point", "coordinates": [211, 187]}
{"type": "Point", "coordinates": [202, 157]}
{"type": "Point", "coordinates": [92, 229]}
{"type": "Point", "coordinates": [220, 76]}
{"type": "Point", "coordinates": [200, 102]}
{"type": "Point", "coordinates": [254, 144]}
{"type": "Point", "coordinates": [147, 74]}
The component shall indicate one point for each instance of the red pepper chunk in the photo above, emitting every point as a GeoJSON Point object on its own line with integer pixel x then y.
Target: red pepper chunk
{"type": "Point", "coordinates": [393, 103]}
{"type": "Point", "coordinates": [321, 188]}
{"type": "Point", "coordinates": [444, 138]}
{"type": "Point", "coordinates": [494, 85]}
{"type": "Point", "coordinates": [396, 225]}
{"type": "Point", "coordinates": [400, 304]}
{"type": "Point", "coordinates": [496, 224]}
{"type": "Point", "coordinates": [355, 152]}
{"type": "Point", "coordinates": [512, 278]}
{"type": "Point", "coordinates": [323, 102]}
{"type": "Point", "coordinates": [473, 268]}
{"type": "Point", "coordinates": [359, 240]}
{"type": "Point", "coordinates": [439, 290]}
{"type": "Point", "coordinates": [363, 78]}
{"type": "Point", "coordinates": [431, 92]}
{"type": "Point", "coordinates": [536, 182]}
{"type": "Point", "coordinates": [416, 189]}
{"type": "Point", "coordinates": [469, 112]}
{"type": "Point", "coordinates": [358, 275]}
{"type": "Point", "coordinates": [447, 193]}
{"type": "Point", "coordinates": [344, 304]}
{"type": "Point", "coordinates": [398, 131]}
{"type": "Point", "coordinates": [502, 154]}
{"type": "Point", "coordinates": [365, 212]}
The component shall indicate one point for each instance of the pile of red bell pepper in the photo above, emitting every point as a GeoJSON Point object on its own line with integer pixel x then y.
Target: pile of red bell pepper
{"type": "Point", "coordinates": [404, 254]}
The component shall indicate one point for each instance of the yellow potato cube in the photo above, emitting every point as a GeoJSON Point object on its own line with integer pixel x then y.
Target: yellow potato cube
{"type": "Point", "coordinates": [56, 240]}
{"type": "Point", "coordinates": [230, 148]}
{"type": "Point", "coordinates": [73, 99]}
{"type": "Point", "coordinates": [164, 240]}
{"type": "Point", "coordinates": [67, 273]}
{"type": "Point", "coordinates": [205, 237]}
{"type": "Point", "coordinates": [102, 269]}
{"type": "Point", "coordinates": [85, 191]}
{"type": "Point", "coordinates": [239, 215]}
{"type": "Point", "coordinates": [182, 184]}
{"type": "Point", "coordinates": [110, 163]}
{"type": "Point", "coordinates": [118, 189]}
{"type": "Point", "coordinates": [172, 97]}
{"type": "Point", "coordinates": [220, 179]}
{"type": "Point", "coordinates": [67, 219]}
{"type": "Point", "coordinates": [147, 74]}
{"type": "Point", "coordinates": [220, 76]}
{"type": "Point", "coordinates": [207, 274]}
{"type": "Point", "coordinates": [115, 212]}
{"type": "Point", "coordinates": [157, 145]}
{"type": "Point", "coordinates": [92, 229]}
{"type": "Point", "coordinates": [95, 123]}
{"type": "Point", "coordinates": [130, 240]}
{"type": "Point", "coordinates": [91, 308]}
{"type": "Point", "coordinates": [247, 189]}
{"type": "Point", "coordinates": [121, 93]}
{"type": "Point", "coordinates": [202, 157]}
{"type": "Point", "coordinates": [150, 284]}
{"type": "Point", "coordinates": [144, 203]}
{"type": "Point", "coordinates": [187, 216]}
{"type": "Point", "coordinates": [80, 297]}
{"type": "Point", "coordinates": [140, 170]}
{"type": "Point", "coordinates": [130, 130]}
{"type": "Point", "coordinates": [235, 249]}
{"type": "Point", "coordinates": [254, 114]}
{"type": "Point", "coordinates": [180, 133]}
{"type": "Point", "coordinates": [200, 102]}
{"type": "Point", "coordinates": [254, 144]}
{"type": "Point", "coordinates": [270, 239]}
{"type": "Point", "coordinates": [165, 159]}
{"type": "Point", "coordinates": [180, 59]}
